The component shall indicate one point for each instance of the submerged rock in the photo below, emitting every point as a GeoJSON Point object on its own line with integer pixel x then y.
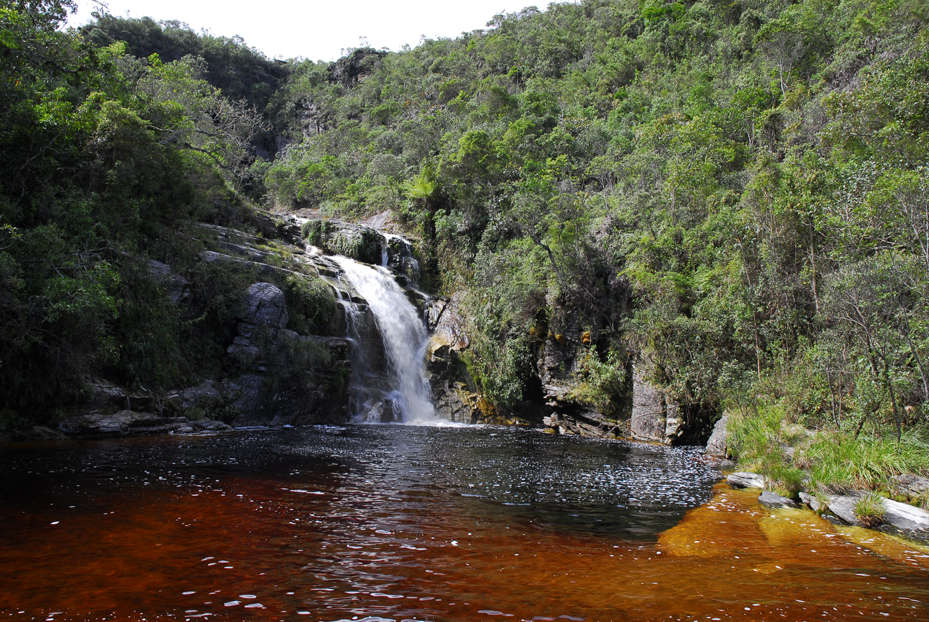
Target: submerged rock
{"type": "Point", "coordinates": [122, 423]}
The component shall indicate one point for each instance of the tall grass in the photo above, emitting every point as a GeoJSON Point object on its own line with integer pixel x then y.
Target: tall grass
{"type": "Point", "coordinates": [839, 460]}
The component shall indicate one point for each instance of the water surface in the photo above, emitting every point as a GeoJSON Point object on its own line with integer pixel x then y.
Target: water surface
{"type": "Point", "coordinates": [419, 523]}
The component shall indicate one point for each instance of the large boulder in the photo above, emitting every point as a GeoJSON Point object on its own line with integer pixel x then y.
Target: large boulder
{"type": "Point", "coordinates": [341, 238]}
{"type": "Point", "coordinates": [744, 479]}
{"type": "Point", "coordinates": [265, 304]}
{"type": "Point", "coordinates": [718, 445]}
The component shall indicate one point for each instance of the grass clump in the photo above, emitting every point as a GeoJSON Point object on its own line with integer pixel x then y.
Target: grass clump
{"type": "Point", "coordinates": [870, 510]}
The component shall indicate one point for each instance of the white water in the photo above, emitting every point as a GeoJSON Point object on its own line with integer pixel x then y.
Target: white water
{"type": "Point", "coordinates": [403, 334]}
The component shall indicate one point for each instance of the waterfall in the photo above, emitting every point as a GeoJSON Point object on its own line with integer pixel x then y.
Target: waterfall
{"type": "Point", "coordinates": [404, 337]}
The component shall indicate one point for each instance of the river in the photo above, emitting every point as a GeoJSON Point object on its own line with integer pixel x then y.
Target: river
{"type": "Point", "coordinates": [390, 522]}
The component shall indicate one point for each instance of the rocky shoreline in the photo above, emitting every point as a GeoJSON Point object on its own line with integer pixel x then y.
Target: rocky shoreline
{"type": "Point", "coordinates": [895, 518]}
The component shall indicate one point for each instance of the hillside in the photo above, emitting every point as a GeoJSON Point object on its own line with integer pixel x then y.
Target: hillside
{"type": "Point", "coordinates": [725, 203]}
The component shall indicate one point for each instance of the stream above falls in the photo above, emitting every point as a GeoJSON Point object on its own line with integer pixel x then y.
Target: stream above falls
{"type": "Point", "coordinates": [390, 522]}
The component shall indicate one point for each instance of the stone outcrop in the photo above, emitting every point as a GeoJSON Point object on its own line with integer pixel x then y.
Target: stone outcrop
{"type": "Point", "coordinates": [586, 423]}
{"type": "Point", "coordinates": [265, 304]}
{"type": "Point", "coordinates": [453, 390]}
{"type": "Point", "coordinates": [130, 423]}
{"type": "Point", "coordinates": [275, 386]}
{"type": "Point", "coordinates": [658, 417]}
{"type": "Point", "coordinates": [898, 518]}
{"type": "Point", "coordinates": [365, 244]}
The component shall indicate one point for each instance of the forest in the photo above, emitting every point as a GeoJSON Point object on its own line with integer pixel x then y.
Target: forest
{"type": "Point", "coordinates": [734, 195]}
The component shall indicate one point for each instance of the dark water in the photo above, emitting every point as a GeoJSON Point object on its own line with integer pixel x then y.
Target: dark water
{"type": "Point", "coordinates": [416, 523]}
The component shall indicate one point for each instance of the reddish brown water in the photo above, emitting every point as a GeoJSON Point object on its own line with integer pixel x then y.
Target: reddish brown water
{"type": "Point", "coordinates": [391, 523]}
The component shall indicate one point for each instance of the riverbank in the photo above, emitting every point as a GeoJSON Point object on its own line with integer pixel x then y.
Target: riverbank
{"type": "Point", "coordinates": [857, 479]}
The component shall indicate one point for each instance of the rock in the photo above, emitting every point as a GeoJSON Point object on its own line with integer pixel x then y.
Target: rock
{"type": "Point", "coordinates": [906, 519]}
{"type": "Point", "coordinates": [744, 479]}
{"type": "Point", "coordinates": [911, 485]}
{"type": "Point", "coordinates": [649, 418]}
{"type": "Point", "coordinates": [122, 423]}
{"type": "Point", "coordinates": [719, 439]}
{"type": "Point", "coordinates": [843, 506]}
{"type": "Point", "coordinates": [209, 425]}
{"type": "Point", "coordinates": [447, 325]}
{"type": "Point", "coordinates": [775, 501]}
{"type": "Point", "coordinates": [811, 501]}
{"type": "Point", "coordinates": [177, 287]}
{"type": "Point", "coordinates": [341, 238]}
{"type": "Point", "coordinates": [586, 423]}
{"type": "Point", "coordinates": [265, 304]}
{"type": "Point", "coordinates": [205, 397]}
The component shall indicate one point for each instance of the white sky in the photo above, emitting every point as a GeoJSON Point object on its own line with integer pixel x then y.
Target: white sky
{"type": "Point", "coordinates": [315, 29]}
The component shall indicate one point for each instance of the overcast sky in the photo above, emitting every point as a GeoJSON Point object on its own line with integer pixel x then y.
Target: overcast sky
{"type": "Point", "coordinates": [314, 29]}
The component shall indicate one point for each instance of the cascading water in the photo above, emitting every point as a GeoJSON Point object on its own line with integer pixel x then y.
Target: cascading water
{"type": "Point", "coordinates": [404, 337]}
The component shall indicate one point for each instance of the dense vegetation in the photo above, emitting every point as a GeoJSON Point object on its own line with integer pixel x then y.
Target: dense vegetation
{"type": "Point", "coordinates": [752, 175]}
{"type": "Point", "coordinates": [733, 194]}
{"type": "Point", "coordinates": [109, 162]}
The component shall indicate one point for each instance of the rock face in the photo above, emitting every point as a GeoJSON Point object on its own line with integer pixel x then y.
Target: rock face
{"type": "Point", "coordinates": [453, 391]}
{"type": "Point", "coordinates": [269, 355]}
{"type": "Point", "coordinates": [658, 417]}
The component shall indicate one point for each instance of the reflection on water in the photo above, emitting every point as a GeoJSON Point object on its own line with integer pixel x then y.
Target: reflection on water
{"type": "Point", "coordinates": [414, 523]}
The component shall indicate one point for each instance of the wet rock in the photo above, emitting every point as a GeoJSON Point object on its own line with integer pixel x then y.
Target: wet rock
{"type": "Point", "coordinates": [265, 304]}
{"type": "Point", "coordinates": [209, 425]}
{"type": "Point", "coordinates": [719, 439]}
{"type": "Point", "coordinates": [122, 423]}
{"type": "Point", "coordinates": [811, 501]}
{"type": "Point", "coordinates": [775, 501]}
{"type": "Point", "coordinates": [743, 479]}
{"type": "Point", "coordinates": [341, 238]}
